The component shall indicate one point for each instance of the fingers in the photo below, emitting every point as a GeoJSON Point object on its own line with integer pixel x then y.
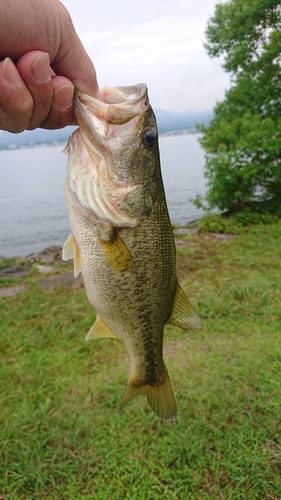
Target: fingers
{"type": "Point", "coordinates": [61, 111]}
{"type": "Point", "coordinates": [34, 68]}
{"type": "Point", "coordinates": [31, 95]}
{"type": "Point", "coordinates": [15, 99]}
{"type": "Point", "coordinates": [52, 95]}
{"type": "Point", "coordinates": [36, 91]}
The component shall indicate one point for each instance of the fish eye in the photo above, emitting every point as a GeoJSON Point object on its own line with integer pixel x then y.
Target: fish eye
{"type": "Point", "coordinates": [149, 139]}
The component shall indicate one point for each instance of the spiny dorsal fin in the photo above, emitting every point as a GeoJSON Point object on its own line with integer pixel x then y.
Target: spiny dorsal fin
{"type": "Point", "coordinates": [160, 396]}
{"type": "Point", "coordinates": [183, 313]}
{"type": "Point", "coordinates": [71, 251]}
{"type": "Point", "coordinates": [117, 254]}
{"type": "Point", "coordinates": [99, 329]}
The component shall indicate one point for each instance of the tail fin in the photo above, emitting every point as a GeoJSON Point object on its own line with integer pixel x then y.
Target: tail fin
{"type": "Point", "coordinates": [159, 396]}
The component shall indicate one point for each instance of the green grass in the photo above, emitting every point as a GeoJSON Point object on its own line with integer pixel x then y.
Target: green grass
{"type": "Point", "coordinates": [235, 223]}
{"type": "Point", "coordinates": [60, 434]}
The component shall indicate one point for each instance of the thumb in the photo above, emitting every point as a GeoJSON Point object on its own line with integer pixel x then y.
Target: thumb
{"type": "Point", "coordinates": [72, 60]}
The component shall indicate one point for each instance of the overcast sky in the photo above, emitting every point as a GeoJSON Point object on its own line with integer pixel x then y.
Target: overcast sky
{"type": "Point", "coordinates": [158, 42]}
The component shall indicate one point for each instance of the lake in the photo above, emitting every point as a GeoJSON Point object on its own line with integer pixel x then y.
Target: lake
{"type": "Point", "coordinates": [33, 211]}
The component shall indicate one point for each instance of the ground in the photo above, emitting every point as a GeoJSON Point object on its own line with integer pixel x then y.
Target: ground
{"type": "Point", "coordinates": [61, 436]}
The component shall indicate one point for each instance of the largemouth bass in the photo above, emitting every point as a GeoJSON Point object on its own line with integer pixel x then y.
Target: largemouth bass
{"type": "Point", "coordinates": [121, 237]}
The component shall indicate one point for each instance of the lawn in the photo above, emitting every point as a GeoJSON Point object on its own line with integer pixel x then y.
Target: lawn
{"type": "Point", "coordinates": [61, 436]}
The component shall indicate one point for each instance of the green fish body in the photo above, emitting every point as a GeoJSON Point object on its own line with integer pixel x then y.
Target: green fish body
{"type": "Point", "coordinates": [121, 236]}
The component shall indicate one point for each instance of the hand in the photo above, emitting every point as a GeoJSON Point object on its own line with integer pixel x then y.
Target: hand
{"type": "Point", "coordinates": [42, 60]}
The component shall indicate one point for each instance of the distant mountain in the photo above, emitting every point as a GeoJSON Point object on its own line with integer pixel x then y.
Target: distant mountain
{"type": "Point", "coordinates": [166, 121]}
{"type": "Point", "coordinates": [32, 137]}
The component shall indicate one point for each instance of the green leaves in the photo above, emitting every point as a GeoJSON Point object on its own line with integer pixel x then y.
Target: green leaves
{"type": "Point", "coordinates": [243, 140]}
{"type": "Point", "coordinates": [240, 30]}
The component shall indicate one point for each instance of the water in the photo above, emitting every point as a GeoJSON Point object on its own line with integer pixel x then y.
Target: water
{"type": "Point", "coordinates": [182, 164]}
{"type": "Point", "coordinates": [33, 211]}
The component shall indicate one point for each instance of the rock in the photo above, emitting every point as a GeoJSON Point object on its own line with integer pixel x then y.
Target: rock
{"type": "Point", "coordinates": [185, 230]}
{"type": "Point", "coordinates": [63, 279]}
{"type": "Point", "coordinates": [180, 243]}
{"type": "Point", "coordinates": [42, 269]}
{"type": "Point", "coordinates": [220, 236]}
{"type": "Point", "coordinates": [193, 230]}
{"type": "Point", "coordinates": [14, 271]}
{"type": "Point", "coordinates": [10, 291]}
{"type": "Point", "coordinates": [47, 256]}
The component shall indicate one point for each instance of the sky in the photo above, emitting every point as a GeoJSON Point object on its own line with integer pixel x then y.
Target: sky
{"type": "Point", "coordinates": [158, 42]}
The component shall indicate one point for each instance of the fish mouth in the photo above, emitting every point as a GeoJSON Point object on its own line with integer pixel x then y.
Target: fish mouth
{"type": "Point", "coordinates": [114, 105]}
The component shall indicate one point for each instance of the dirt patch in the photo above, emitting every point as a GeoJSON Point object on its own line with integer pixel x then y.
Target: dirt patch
{"type": "Point", "coordinates": [170, 350]}
{"type": "Point", "coordinates": [183, 266]}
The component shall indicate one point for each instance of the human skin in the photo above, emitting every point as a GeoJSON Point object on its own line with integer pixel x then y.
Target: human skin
{"type": "Point", "coordinates": [42, 60]}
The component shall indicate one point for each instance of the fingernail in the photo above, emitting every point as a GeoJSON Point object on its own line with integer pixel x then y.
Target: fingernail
{"type": "Point", "coordinates": [41, 68]}
{"type": "Point", "coordinates": [11, 73]}
{"type": "Point", "coordinates": [63, 97]}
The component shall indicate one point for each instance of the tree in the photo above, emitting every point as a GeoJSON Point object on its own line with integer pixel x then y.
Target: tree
{"type": "Point", "coordinates": [243, 141]}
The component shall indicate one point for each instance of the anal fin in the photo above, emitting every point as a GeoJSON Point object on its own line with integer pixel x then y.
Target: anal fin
{"type": "Point", "coordinates": [183, 313]}
{"type": "Point", "coordinates": [99, 329]}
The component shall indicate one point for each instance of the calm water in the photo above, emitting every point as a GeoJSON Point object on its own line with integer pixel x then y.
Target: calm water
{"type": "Point", "coordinates": [33, 211]}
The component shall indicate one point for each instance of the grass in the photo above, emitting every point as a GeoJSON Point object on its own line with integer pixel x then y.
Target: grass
{"type": "Point", "coordinates": [61, 436]}
{"type": "Point", "coordinates": [235, 223]}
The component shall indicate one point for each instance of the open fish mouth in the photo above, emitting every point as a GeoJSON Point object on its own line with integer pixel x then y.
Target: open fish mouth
{"type": "Point", "coordinates": [115, 105]}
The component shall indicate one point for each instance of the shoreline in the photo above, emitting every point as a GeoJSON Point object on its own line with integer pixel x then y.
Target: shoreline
{"type": "Point", "coordinates": [190, 228]}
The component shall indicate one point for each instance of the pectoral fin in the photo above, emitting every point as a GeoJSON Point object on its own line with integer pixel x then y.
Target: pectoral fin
{"type": "Point", "coordinates": [183, 313]}
{"type": "Point", "coordinates": [117, 254]}
{"type": "Point", "coordinates": [71, 251]}
{"type": "Point", "coordinates": [99, 329]}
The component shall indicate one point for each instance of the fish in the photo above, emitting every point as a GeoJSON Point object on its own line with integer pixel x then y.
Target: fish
{"type": "Point", "coordinates": [121, 236]}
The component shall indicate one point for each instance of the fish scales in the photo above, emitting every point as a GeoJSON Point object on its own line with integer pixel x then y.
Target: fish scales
{"type": "Point", "coordinates": [145, 293]}
{"type": "Point", "coordinates": [128, 267]}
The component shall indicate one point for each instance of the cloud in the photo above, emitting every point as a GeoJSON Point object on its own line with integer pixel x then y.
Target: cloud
{"type": "Point", "coordinates": [158, 42]}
